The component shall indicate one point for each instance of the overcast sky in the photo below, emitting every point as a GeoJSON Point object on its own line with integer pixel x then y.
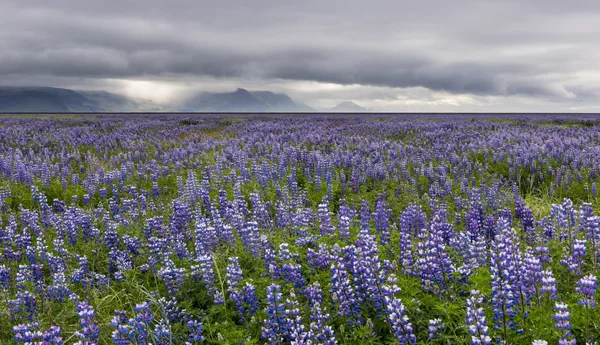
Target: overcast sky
{"type": "Point", "coordinates": [391, 55]}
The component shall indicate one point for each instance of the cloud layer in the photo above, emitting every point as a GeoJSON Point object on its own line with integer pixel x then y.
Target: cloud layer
{"type": "Point", "coordinates": [493, 52]}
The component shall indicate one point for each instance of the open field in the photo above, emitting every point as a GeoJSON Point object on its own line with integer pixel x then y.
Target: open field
{"type": "Point", "coordinates": [299, 229]}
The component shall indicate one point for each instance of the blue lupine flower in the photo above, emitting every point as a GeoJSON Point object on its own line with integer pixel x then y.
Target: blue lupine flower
{"type": "Point", "coordinates": [548, 284]}
{"type": "Point", "coordinates": [325, 226]}
{"type": "Point", "coordinates": [89, 330]}
{"type": "Point", "coordinates": [195, 332]}
{"type": "Point", "coordinates": [562, 318]}
{"type": "Point", "coordinates": [344, 221]}
{"type": "Point", "coordinates": [292, 273]}
{"type": "Point", "coordinates": [172, 276]}
{"type": "Point", "coordinates": [587, 286]}
{"type": "Point", "coordinates": [294, 329]}
{"type": "Point", "coordinates": [434, 328]}
{"type": "Point", "coordinates": [4, 277]}
{"type": "Point", "coordinates": [320, 259]}
{"type": "Point", "coordinates": [208, 276]}
{"type": "Point", "coordinates": [120, 336]}
{"type": "Point", "coordinates": [234, 274]}
{"type": "Point", "coordinates": [476, 320]}
{"type": "Point", "coordinates": [401, 326]}
{"type": "Point", "coordinates": [30, 335]}
{"type": "Point", "coordinates": [162, 333]}
{"type": "Point", "coordinates": [274, 327]}
{"type": "Point", "coordinates": [52, 336]}
{"type": "Point", "coordinates": [139, 327]}
{"type": "Point", "coordinates": [508, 283]}
{"type": "Point", "coordinates": [382, 216]}
{"type": "Point", "coordinates": [343, 294]}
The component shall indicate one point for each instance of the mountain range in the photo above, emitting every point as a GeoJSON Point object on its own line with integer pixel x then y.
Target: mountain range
{"type": "Point", "coordinates": [244, 101]}
{"type": "Point", "coordinates": [58, 100]}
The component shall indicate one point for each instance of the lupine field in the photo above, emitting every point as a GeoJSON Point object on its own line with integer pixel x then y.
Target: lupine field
{"type": "Point", "coordinates": [299, 230]}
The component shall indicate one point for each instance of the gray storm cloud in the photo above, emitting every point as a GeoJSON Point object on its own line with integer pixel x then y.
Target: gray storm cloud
{"type": "Point", "coordinates": [539, 49]}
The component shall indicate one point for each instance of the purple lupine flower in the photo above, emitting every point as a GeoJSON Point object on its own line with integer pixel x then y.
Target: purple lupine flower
{"type": "Point", "coordinates": [532, 274]}
{"type": "Point", "coordinates": [284, 252]}
{"type": "Point", "coordinates": [205, 236]}
{"type": "Point", "coordinates": [158, 250]}
{"type": "Point", "coordinates": [251, 237]}
{"type": "Point", "coordinates": [344, 221]}
{"type": "Point", "coordinates": [23, 276]}
{"type": "Point", "coordinates": [528, 225]}
{"type": "Point", "coordinates": [26, 333]}
{"type": "Point", "coordinates": [476, 320]}
{"type": "Point", "coordinates": [292, 273]}
{"type": "Point", "coordinates": [120, 336]}
{"type": "Point", "coordinates": [412, 221]}
{"type": "Point", "coordinates": [382, 216]}
{"type": "Point", "coordinates": [234, 274]}
{"type": "Point", "coordinates": [543, 254]}
{"type": "Point", "coordinates": [30, 334]}
{"type": "Point", "coordinates": [171, 310]}
{"type": "Point", "coordinates": [562, 318]}
{"type": "Point", "coordinates": [195, 332]}
{"type": "Point", "coordinates": [434, 328]}
{"type": "Point", "coordinates": [434, 266]}
{"type": "Point", "coordinates": [321, 333]}
{"type": "Point", "coordinates": [260, 212]}
{"type": "Point", "coordinates": [132, 243]}
{"type": "Point", "coordinates": [343, 294]}
{"type": "Point", "coordinates": [162, 333]}
{"type": "Point", "coordinates": [245, 298]}
{"type": "Point", "coordinates": [390, 289]}
{"type": "Point", "coordinates": [248, 302]}
{"type": "Point", "coordinates": [325, 226]}
{"type": "Point", "coordinates": [140, 325]}
{"type": "Point", "coordinates": [477, 250]}
{"type": "Point", "coordinates": [576, 260]}
{"type": "Point", "coordinates": [4, 277]}
{"type": "Point", "coordinates": [52, 336]}
{"type": "Point", "coordinates": [401, 326]}
{"type": "Point", "coordinates": [274, 327]}
{"type": "Point", "coordinates": [587, 287]}
{"type": "Point", "coordinates": [294, 329]}
{"type": "Point", "coordinates": [172, 276]}
{"type": "Point", "coordinates": [548, 284]}
{"type": "Point", "coordinates": [591, 226]}
{"type": "Point", "coordinates": [208, 276]}
{"type": "Point", "coordinates": [89, 330]}
{"type": "Point", "coordinates": [271, 264]}
{"type": "Point", "coordinates": [508, 283]}
{"type": "Point", "coordinates": [24, 303]}
{"type": "Point", "coordinates": [320, 259]}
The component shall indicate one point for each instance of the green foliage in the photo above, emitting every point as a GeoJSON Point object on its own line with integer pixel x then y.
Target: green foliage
{"type": "Point", "coordinates": [222, 324]}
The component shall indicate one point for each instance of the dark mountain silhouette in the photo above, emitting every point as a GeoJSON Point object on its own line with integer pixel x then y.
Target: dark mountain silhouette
{"type": "Point", "coordinates": [281, 102]}
{"type": "Point", "coordinates": [57, 100]}
{"type": "Point", "coordinates": [244, 101]}
{"type": "Point", "coordinates": [44, 99]}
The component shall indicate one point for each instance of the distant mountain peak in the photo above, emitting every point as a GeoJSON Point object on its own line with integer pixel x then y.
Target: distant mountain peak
{"type": "Point", "coordinates": [243, 101]}
{"type": "Point", "coordinates": [348, 107]}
